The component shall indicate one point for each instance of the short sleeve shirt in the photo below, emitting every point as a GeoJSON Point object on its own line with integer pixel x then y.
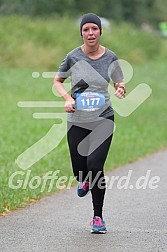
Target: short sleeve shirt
{"type": "Point", "coordinates": [91, 75]}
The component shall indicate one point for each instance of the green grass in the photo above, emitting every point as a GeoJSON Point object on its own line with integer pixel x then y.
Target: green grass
{"type": "Point", "coordinates": [40, 45]}
{"type": "Point", "coordinates": [43, 43]}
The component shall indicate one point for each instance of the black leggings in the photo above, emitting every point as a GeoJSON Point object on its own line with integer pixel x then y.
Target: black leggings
{"type": "Point", "coordinates": [89, 144]}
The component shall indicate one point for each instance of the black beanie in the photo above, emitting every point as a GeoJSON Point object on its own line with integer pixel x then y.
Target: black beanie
{"type": "Point", "coordinates": [90, 18]}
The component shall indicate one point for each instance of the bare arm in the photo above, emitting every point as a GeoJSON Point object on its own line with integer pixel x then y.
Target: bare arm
{"type": "Point", "coordinates": [69, 101]}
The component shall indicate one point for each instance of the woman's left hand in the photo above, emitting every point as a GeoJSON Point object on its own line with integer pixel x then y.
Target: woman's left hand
{"type": "Point", "coordinates": [120, 90]}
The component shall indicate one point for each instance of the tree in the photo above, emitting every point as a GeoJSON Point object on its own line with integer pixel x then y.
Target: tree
{"type": "Point", "coordinates": [135, 11]}
{"type": "Point", "coordinates": [160, 10]}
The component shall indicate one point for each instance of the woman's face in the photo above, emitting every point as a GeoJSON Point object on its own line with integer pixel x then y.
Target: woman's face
{"type": "Point", "coordinates": [90, 34]}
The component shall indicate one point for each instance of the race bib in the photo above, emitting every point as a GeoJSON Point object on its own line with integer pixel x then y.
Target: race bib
{"type": "Point", "coordinates": [89, 101]}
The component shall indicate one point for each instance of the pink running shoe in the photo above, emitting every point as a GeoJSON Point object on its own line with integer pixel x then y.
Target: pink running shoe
{"type": "Point", "coordinates": [83, 189]}
{"type": "Point", "coordinates": [98, 226]}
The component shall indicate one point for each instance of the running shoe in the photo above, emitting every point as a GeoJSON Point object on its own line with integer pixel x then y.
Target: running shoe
{"type": "Point", "coordinates": [98, 226]}
{"type": "Point", "coordinates": [83, 189]}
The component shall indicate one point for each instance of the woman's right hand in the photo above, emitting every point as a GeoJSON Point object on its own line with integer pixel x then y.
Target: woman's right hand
{"type": "Point", "coordinates": [69, 101]}
{"type": "Point", "coordinates": [69, 105]}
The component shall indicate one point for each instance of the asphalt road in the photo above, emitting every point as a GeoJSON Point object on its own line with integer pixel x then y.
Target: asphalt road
{"type": "Point", "coordinates": [136, 218]}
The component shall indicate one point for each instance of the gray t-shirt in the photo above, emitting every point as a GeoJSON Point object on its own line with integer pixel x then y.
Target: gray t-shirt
{"type": "Point", "coordinates": [90, 75]}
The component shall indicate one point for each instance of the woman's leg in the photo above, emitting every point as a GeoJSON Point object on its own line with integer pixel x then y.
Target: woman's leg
{"type": "Point", "coordinates": [75, 135]}
{"type": "Point", "coordinates": [95, 161]}
{"type": "Point", "coordinates": [95, 164]}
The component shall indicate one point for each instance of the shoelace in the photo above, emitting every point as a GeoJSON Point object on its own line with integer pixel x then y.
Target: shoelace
{"type": "Point", "coordinates": [85, 185]}
{"type": "Point", "coordinates": [97, 221]}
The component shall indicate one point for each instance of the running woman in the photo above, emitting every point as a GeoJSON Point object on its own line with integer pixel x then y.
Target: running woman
{"type": "Point", "coordinates": [90, 116]}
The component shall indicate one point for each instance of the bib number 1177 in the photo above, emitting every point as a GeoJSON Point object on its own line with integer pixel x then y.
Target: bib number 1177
{"type": "Point", "coordinates": [90, 102]}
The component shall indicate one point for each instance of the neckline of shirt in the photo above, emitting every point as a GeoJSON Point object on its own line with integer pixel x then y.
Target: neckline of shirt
{"type": "Point", "coordinates": [90, 57]}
